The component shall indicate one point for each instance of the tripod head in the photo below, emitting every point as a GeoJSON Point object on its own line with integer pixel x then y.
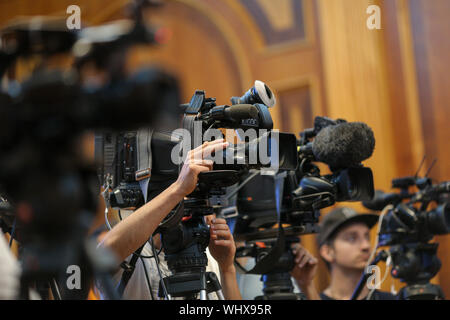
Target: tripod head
{"type": "Point", "coordinates": [275, 273]}
{"type": "Point", "coordinates": [185, 237]}
{"type": "Point", "coordinates": [185, 252]}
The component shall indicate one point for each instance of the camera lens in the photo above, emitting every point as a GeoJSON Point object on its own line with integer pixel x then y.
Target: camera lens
{"type": "Point", "coordinates": [439, 220]}
{"type": "Point", "coordinates": [259, 93]}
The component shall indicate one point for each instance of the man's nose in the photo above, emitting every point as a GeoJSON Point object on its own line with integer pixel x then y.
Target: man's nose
{"type": "Point", "coordinates": [365, 244]}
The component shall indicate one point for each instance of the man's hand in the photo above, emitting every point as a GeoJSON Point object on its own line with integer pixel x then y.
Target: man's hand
{"type": "Point", "coordinates": [195, 163]}
{"type": "Point", "coordinates": [305, 267]}
{"type": "Point", "coordinates": [221, 243]}
{"type": "Point", "coordinates": [223, 249]}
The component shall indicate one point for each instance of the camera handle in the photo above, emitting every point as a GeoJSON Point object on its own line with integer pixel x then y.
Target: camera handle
{"type": "Point", "coordinates": [188, 284]}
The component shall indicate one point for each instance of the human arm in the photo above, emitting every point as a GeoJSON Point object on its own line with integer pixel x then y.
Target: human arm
{"type": "Point", "coordinates": [131, 233]}
{"type": "Point", "coordinates": [304, 271]}
{"type": "Point", "coordinates": [223, 250]}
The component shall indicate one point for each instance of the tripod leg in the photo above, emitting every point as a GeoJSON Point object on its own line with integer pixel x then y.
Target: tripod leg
{"type": "Point", "coordinates": [220, 295]}
{"type": "Point", "coordinates": [55, 289]}
{"type": "Point", "coordinates": [203, 286]}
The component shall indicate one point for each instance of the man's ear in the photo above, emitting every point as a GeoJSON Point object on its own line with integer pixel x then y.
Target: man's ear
{"type": "Point", "coordinates": [327, 253]}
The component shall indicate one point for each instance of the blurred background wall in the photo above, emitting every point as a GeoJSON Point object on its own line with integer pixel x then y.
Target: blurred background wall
{"type": "Point", "coordinates": [320, 59]}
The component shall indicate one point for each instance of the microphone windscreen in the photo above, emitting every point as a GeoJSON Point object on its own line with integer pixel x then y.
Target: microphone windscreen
{"type": "Point", "coordinates": [344, 145]}
{"type": "Point", "coordinates": [241, 111]}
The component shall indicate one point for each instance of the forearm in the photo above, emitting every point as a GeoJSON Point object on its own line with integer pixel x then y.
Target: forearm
{"type": "Point", "coordinates": [229, 284]}
{"type": "Point", "coordinates": [129, 234]}
{"type": "Point", "coordinates": [310, 291]}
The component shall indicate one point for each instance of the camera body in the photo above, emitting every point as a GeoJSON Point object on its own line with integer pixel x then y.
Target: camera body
{"type": "Point", "coordinates": [413, 221]}
{"type": "Point", "coordinates": [305, 191]}
{"type": "Point", "coordinates": [203, 119]}
{"type": "Point", "coordinates": [292, 199]}
{"type": "Point", "coordinates": [406, 224]}
{"type": "Point", "coordinates": [116, 153]}
{"type": "Point", "coordinates": [407, 229]}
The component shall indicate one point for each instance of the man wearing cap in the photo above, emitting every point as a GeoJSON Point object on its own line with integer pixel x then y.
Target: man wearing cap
{"type": "Point", "coordinates": [344, 244]}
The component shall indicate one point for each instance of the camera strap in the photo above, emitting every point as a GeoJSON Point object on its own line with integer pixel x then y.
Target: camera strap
{"type": "Point", "coordinates": [143, 173]}
{"type": "Point", "coordinates": [144, 159]}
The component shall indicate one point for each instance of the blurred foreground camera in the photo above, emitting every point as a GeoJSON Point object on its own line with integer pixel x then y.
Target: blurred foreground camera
{"type": "Point", "coordinates": [42, 122]}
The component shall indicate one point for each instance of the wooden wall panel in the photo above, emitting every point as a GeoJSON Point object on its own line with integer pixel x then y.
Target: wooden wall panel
{"type": "Point", "coordinates": [431, 39]}
{"type": "Point", "coordinates": [431, 29]}
{"type": "Point", "coordinates": [296, 111]}
{"type": "Point", "coordinates": [198, 53]}
{"type": "Point", "coordinates": [279, 22]}
{"type": "Point", "coordinates": [355, 84]}
{"type": "Point", "coordinates": [355, 78]}
{"type": "Point", "coordinates": [401, 81]}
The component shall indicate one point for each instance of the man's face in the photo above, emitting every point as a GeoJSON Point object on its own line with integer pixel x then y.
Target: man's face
{"type": "Point", "coordinates": [352, 246]}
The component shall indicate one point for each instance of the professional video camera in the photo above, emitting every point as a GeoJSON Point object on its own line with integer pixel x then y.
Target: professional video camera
{"type": "Point", "coordinates": [293, 198]}
{"type": "Point", "coordinates": [339, 144]}
{"type": "Point", "coordinates": [201, 119]}
{"type": "Point", "coordinates": [152, 164]}
{"type": "Point", "coordinates": [52, 189]}
{"type": "Point", "coordinates": [182, 250]}
{"type": "Point", "coordinates": [408, 226]}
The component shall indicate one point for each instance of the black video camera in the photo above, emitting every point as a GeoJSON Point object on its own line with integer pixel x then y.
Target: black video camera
{"type": "Point", "coordinates": [184, 233]}
{"type": "Point", "coordinates": [408, 226]}
{"type": "Point", "coordinates": [305, 191]}
{"type": "Point", "coordinates": [292, 199]}
{"type": "Point", "coordinates": [118, 152]}
{"type": "Point", "coordinates": [413, 221]}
